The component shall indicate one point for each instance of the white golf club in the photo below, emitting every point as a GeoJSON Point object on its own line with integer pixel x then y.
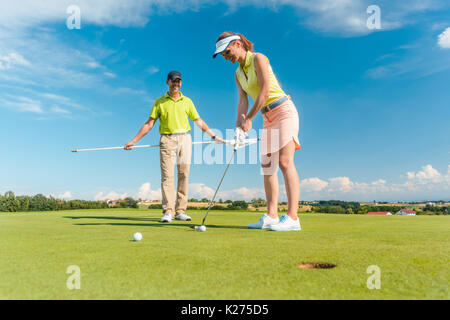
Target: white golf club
{"type": "Point", "coordinates": [133, 147]}
{"type": "Point", "coordinates": [238, 145]}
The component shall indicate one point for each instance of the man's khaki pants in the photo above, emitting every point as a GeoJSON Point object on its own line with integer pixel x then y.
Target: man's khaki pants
{"type": "Point", "coordinates": [175, 148]}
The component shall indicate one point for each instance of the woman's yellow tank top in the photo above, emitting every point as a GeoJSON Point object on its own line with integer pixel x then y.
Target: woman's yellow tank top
{"type": "Point", "coordinates": [249, 81]}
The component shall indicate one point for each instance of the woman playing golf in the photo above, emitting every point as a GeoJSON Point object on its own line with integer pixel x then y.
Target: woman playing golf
{"type": "Point", "coordinates": [254, 77]}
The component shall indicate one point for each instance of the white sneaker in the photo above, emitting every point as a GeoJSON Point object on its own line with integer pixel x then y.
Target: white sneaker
{"type": "Point", "coordinates": [166, 218]}
{"type": "Point", "coordinates": [183, 217]}
{"type": "Point", "coordinates": [264, 222]}
{"type": "Point", "coordinates": [286, 224]}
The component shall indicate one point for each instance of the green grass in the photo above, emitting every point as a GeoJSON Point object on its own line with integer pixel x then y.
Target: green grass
{"type": "Point", "coordinates": [228, 261]}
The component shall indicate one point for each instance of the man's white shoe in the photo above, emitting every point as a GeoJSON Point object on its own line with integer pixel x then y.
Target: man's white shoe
{"type": "Point", "coordinates": [166, 218]}
{"type": "Point", "coordinates": [286, 224]}
{"type": "Point", "coordinates": [264, 222]}
{"type": "Point", "coordinates": [183, 217]}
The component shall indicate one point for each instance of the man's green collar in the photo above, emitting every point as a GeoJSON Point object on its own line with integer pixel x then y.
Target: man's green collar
{"type": "Point", "coordinates": [168, 96]}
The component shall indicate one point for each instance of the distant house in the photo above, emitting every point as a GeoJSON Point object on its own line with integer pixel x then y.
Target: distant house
{"type": "Point", "coordinates": [108, 201]}
{"type": "Point", "coordinates": [406, 212]}
{"type": "Point", "coordinates": [145, 202]}
{"type": "Point", "coordinates": [148, 202]}
{"type": "Point", "coordinates": [383, 213]}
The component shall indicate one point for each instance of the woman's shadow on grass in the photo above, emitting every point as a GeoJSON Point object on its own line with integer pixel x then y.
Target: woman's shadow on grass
{"type": "Point", "coordinates": [155, 222]}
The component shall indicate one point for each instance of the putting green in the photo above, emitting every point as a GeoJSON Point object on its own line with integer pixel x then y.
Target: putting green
{"type": "Point", "coordinates": [228, 261]}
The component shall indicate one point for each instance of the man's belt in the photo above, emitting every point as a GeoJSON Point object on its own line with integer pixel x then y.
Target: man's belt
{"type": "Point", "coordinates": [175, 134]}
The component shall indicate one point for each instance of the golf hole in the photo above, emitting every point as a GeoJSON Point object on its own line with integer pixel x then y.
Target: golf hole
{"type": "Point", "coordinates": [316, 265]}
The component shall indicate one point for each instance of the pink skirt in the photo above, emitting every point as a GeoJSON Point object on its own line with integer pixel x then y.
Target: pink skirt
{"type": "Point", "coordinates": [280, 127]}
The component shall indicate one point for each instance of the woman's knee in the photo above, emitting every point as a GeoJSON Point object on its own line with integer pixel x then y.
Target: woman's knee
{"type": "Point", "coordinates": [285, 163]}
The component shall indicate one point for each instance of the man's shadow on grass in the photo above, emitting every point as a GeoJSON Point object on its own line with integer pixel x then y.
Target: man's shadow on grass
{"type": "Point", "coordinates": [155, 224]}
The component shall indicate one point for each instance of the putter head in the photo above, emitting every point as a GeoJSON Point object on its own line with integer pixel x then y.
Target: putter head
{"type": "Point", "coordinates": [74, 150]}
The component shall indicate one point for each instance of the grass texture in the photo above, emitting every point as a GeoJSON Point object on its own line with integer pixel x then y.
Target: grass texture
{"type": "Point", "coordinates": [228, 261]}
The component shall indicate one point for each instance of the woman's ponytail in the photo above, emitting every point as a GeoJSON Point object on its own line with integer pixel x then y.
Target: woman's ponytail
{"type": "Point", "coordinates": [248, 46]}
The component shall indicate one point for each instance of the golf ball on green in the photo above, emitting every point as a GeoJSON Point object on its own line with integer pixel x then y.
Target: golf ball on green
{"type": "Point", "coordinates": [202, 228]}
{"type": "Point", "coordinates": [137, 236]}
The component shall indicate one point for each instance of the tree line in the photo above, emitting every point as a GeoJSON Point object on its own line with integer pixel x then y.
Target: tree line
{"type": "Point", "coordinates": [343, 207]}
{"type": "Point", "coordinates": [12, 203]}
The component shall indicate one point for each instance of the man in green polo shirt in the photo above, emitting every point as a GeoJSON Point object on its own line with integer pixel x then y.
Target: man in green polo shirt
{"type": "Point", "coordinates": [173, 110]}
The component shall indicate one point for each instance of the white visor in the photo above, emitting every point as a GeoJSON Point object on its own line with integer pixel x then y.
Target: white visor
{"type": "Point", "coordinates": [222, 44]}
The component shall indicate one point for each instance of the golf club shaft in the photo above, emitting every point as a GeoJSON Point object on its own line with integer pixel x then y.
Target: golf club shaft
{"type": "Point", "coordinates": [227, 142]}
{"type": "Point", "coordinates": [141, 146]}
{"type": "Point", "coordinates": [220, 183]}
{"type": "Point", "coordinates": [115, 148]}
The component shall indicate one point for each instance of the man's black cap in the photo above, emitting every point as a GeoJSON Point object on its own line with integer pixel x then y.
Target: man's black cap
{"type": "Point", "coordinates": [173, 75]}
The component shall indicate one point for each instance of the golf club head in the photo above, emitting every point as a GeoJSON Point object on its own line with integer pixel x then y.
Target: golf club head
{"type": "Point", "coordinates": [196, 227]}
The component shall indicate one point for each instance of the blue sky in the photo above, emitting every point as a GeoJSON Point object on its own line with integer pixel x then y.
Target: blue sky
{"type": "Point", "coordinates": [373, 104]}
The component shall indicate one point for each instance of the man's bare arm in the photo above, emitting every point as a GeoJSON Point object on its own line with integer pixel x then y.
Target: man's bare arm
{"type": "Point", "coordinates": [204, 127]}
{"type": "Point", "coordinates": [148, 125]}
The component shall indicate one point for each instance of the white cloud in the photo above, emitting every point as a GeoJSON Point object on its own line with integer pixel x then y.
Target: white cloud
{"type": "Point", "coordinates": [22, 104]}
{"type": "Point", "coordinates": [12, 59]}
{"type": "Point", "coordinates": [110, 74]}
{"type": "Point", "coordinates": [376, 187]}
{"type": "Point", "coordinates": [444, 39]}
{"type": "Point", "coordinates": [425, 183]}
{"type": "Point", "coordinates": [66, 101]}
{"type": "Point", "coordinates": [128, 91]}
{"type": "Point", "coordinates": [55, 97]}
{"type": "Point", "coordinates": [52, 64]}
{"type": "Point", "coordinates": [65, 195]}
{"type": "Point", "coordinates": [112, 195]}
{"type": "Point", "coordinates": [313, 184]}
{"type": "Point", "coordinates": [200, 190]}
{"type": "Point", "coordinates": [93, 64]}
{"type": "Point", "coordinates": [410, 175]}
{"type": "Point", "coordinates": [415, 60]}
{"type": "Point", "coordinates": [337, 17]}
{"type": "Point", "coordinates": [152, 70]}
{"type": "Point", "coordinates": [345, 17]}
{"type": "Point", "coordinates": [242, 194]}
{"type": "Point", "coordinates": [59, 110]}
{"type": "Point", "coordinates": [427, 180]}
{"type": "Point", "coordinates": [426, 175]}
{"type": "Point", "coordinates": [122, 13]}
{"type": "Point", "coordinates": [397, 69]}
{"type": "Point", "coordinates": [146, 192]}
{"type": "Point", "coordinates": [340, 184]}
{"type": "Point", "coordinates": [349, 17]}
{"type": "Point", "coordinates": [39, 103]}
